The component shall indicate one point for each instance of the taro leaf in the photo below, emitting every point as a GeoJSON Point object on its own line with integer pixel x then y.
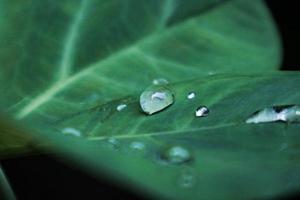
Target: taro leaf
{"type": "Point", "coordinates": [6, 192]}
{"type": "Point", "coordinates": [77, 54]}
{"type": "Point", "coordinates": [229, 158]}
{"type": "Point", "coordinates": [68, 64]}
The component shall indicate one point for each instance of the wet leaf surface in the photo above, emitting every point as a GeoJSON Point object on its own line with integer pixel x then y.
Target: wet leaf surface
{"type": "Point", "coordinates": [71, 68]}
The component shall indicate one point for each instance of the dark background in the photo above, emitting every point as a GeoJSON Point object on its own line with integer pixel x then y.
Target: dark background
{"type": "Point", "coordinates": [287, 15]}
{"type": "Point", "coordinates": [42, 177]}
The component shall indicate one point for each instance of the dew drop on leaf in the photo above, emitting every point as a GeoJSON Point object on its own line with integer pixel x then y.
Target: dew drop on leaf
{"type": "Point", "coordinates": [202, 111]}
{"type": "Point", "coordinates": [187, 179]}
{"type": "Point", "coordinates": [156, 98]}
{"type": "Point", "coordinates": [160, 81]}
{"type": "Point", "coordinates": [264, 115]}
{"type": "Point", "coordinates": [121, 107]}
{"type": "Point", "coordinates": [175, 155]}
{"type": "Point", "coordinates": [137, 145]}
{"type": "Point", "coordinates": [71, 131]}
{"type": "Point", "coordinates": [283, 146]}
{"type": "Point", "coordinates": [113, 142]}
{"type": "Point", "coordinates": [289, 113]}
{"type": "Point", "coordinates": [191, 95]}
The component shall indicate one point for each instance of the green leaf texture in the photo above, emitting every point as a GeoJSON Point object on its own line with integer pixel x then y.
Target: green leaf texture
{"type": "Point", "coordinates": [229, 158]}
{"type": "Point", "coordinates": [62, 55]}
{"type": "Point", "coordinates": [71, 63]}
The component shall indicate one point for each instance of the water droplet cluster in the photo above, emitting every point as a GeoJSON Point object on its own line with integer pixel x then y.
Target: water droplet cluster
{"type": "Point", "coordinates": [276, 113]}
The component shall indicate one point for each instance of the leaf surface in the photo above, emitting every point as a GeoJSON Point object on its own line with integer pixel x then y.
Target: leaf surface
{"type": "Point", "coordinates": [69, 66]}
{"type": "Point", "coordinates": [238, 160]}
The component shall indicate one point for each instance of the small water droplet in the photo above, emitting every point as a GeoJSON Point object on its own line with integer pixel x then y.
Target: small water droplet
{"type": "Point", "coordinates": [202, 111]}
{"type": "Point", "coordinates": [191, 95]}
{"type": "Point", "coordinates": [276, 113]}
{"type": "Point", "coordinates": [187, 179]}
{"type": "Point", "coordinates": [113, 142]}
{"type": "Point", "coordinates": [160, 81]}
{"type": "Point", "coordinates": [283, 146]}
{"type": "Point", "coordinates": [176, 155]}
{"type": "Point", "coordinates": [137, 145]}
{"type": "Point", "coordinates": [156, 98]}
{"type": "Point", "coordinates": [121, 107]}
{"type": "Point", "coordinates": [71, 131]}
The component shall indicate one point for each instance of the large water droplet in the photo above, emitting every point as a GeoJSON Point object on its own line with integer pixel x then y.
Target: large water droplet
{"type": "Point", "coordinates": [160, 81]}
{"type": "Point", "coordinates": [71, 131]}
{"type": "Point", "coordinates": [121, 107]}
{"type": "Point", "coordinates": [264, 115]}
{"type": "Point", "coordinates": [176, 155]}
{"type": "Point", "coordinates": [191, 95]}
{"type": "Point", "coordinates": [289, 113]}
{"type": "Point", "coordinates": [156, 98]}
{"type": "Point", "coordinates": [202, 111]}
{"type": "Point", "coordinates": [137, 145]}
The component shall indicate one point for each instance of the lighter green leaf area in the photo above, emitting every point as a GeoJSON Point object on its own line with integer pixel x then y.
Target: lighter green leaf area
{"type": "Point", "coordinates": [189, 39]}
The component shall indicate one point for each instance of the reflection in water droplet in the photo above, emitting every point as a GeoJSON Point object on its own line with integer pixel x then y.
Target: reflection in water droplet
{"type": "Point", "coordinates": [176, 155]}
{"type": "Point", "coordinates": [202, 111]}
{"type": "Point", "coordinates": [276, 113]}
{"type": "Point", "coordinates": [121, 107]}
{"type": "Point", "coordinates": [187, 179]}
{"type": "Point", "coordinates": [160, 81]}
{"type": "Point", "coordinates": [191, 95]}
{"type": "Point", "coordinates": [71, 131]}
{"type": "Point", "coordinates": [156, 98]}
{"type": "Point", "coordinates": [137, 145]}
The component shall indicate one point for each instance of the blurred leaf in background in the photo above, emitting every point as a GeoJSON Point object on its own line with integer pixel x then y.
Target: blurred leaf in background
{"type": "Point", "coordinates": [6, 192]}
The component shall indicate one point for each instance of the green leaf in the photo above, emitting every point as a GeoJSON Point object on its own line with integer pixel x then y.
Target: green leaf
{"type": "Point", "coordinates": [6, 192]}
{"type": "Point", "coordinates": [69, 66]}
{"type": "Point", "coordinates": [228, 157]}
